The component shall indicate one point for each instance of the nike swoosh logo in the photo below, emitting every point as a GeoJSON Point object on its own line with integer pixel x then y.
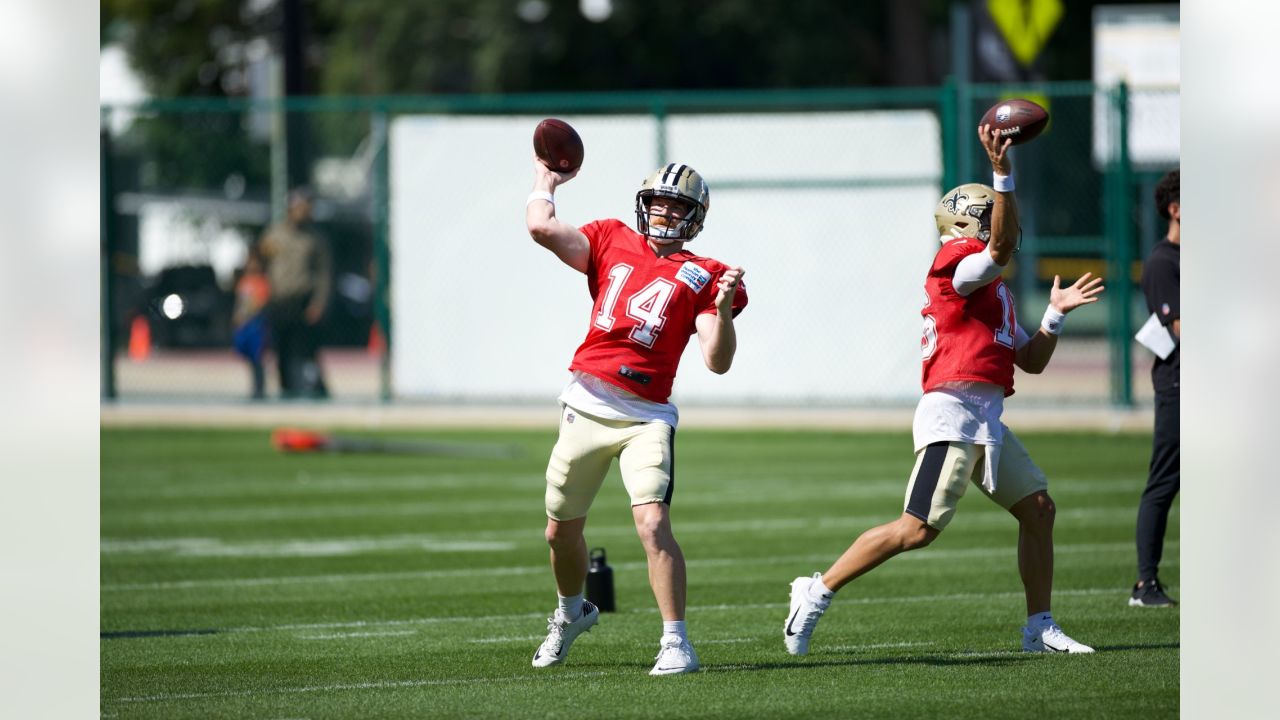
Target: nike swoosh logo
{"type": "Point", "coordinates": [791, 620]}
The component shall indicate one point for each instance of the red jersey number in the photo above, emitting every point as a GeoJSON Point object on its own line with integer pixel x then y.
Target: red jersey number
{"type": "Point", "coordinates": [929, 342]}
{"type": "Point", "coordinates": [647, 307]}
{"type": "Point", "coordinates": [1003, 335]}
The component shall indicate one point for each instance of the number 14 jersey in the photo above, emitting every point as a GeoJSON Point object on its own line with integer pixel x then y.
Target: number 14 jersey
{"type": "Point", "coordinates": [967, 338]}
{"type": "Point", "coordinates": [644, 309]}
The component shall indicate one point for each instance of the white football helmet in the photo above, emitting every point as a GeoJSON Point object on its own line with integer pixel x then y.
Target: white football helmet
{"type": "Point", "coordinates": [965, 211]}
{"type": "Point", "coordinates": [679, 182]}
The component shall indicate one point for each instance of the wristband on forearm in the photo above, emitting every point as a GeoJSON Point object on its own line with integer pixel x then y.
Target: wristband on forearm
{"type": "Point", "coordinates": [1053, 321]}
{"type": "Point", "coordinates": [1002, 183]}
{"type": "Point", "coordinates": [541, 195]}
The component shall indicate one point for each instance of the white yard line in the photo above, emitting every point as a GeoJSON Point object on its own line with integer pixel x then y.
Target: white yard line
{"type": "Point", "coordinates": [725, 607]}
{"type": "Point", "coordinates": [938, 554]}
{"type": "Point", "coordinates": [326, 547]}
{"type": "Point", "coordinates": [382, 685]}
{"type": "Point", "coordinates": [538, 677]}
{"type": "Point", "coordinates": [878, 646]}
{"type": "Point", "coordinates": [507, 639]}
{"type": "Point", "coordinates": [535, 676]}
{"type": "Point", "coordinates": [344, 636]}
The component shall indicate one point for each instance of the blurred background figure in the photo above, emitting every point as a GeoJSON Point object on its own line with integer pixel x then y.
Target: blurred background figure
{"type": "Point", "coordinates": [299, 269]}
{"type": "Point", "coordinates": [1161, 283]}
{"type": "Point", "coordinates": [249, 318]}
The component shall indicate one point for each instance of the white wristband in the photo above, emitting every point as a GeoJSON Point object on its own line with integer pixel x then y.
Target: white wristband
{"type": "Point", "coordinates": [541, 195]}
{"type": "Point", "coordinates": [1053, 321]}
{"type": "Point", "coordinates": [1002, 183]}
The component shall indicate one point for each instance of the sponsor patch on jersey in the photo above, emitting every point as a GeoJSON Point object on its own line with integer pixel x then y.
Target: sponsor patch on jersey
{"type": "Point", "coordinates": [693, 276]}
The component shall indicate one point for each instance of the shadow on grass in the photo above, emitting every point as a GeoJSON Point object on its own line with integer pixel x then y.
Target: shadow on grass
{"type": "Point", "coordinates": [1139, 646]}
{"type": "Point", "coordinates": [992, 658]}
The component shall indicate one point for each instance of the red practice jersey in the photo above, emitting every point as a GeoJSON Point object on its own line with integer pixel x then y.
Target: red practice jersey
{"type": "Point", "coordinates": [966, 338]}
{"type": "Point", "coordinates": [644, 309]}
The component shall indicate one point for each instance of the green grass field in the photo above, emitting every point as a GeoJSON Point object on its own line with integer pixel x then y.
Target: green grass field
{"type": "Point", "coordinates": [240, 582]}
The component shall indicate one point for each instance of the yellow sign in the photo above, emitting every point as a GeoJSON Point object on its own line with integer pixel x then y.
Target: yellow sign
{"type": "Point", "coordinates": [1025, 24]}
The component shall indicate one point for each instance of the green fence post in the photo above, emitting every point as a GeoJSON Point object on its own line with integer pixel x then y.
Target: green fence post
{"type": "Point", "coordinates": [106, 232]}
{"type": "Point", "coordinates": [1119, 214]}
{"type": "Point", "coordinates": [964, 125]}
{"type": "Point", "coordinates": [947, 116]}
{"type": "Point", "coordinates": [659, 110]}
{"type": "Point", "coordinates": [381, 243]}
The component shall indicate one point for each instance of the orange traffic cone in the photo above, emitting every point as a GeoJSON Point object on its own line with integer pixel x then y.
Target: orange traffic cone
{"type": "Point", "coordinates": [139, 339]}
{"type": "Point", "coordinates": [377, 344]}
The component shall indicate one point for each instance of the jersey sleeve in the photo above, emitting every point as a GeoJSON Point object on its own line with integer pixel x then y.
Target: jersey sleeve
{"type": "Point", "coordinates": [598, 236]}
{"type": "Point", "coordinates": [1162, 291]}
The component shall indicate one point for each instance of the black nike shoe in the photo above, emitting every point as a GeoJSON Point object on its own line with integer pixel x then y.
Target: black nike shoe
{"type": "Point", "coordinates": [1150, 594]}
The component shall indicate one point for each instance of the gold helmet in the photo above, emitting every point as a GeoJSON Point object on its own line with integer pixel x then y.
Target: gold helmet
{"type": "Point", "coordinates": [679, 182]}
{"type": "Point", "coordinates": [965, 211]}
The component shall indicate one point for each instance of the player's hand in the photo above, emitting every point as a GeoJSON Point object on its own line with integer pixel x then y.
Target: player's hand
{"type": "Point", "coordinates": [544, 178]}
{"type": "Point", "coordinates": [997, 149]}
{"type": "Point", "coordinates": [1081, 292]}
{"type": "Point", "coordinates": [727, 289]}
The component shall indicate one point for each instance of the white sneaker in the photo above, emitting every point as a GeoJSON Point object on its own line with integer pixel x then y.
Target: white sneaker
{"type": "Point", "coordinates": [675, 656]}
{"type": "Point", "coordinates": [1050, 639]}
{"type": "Point", "coordinates": [804, 615]}
{"type": "Point", "coordinates": [561, 632]}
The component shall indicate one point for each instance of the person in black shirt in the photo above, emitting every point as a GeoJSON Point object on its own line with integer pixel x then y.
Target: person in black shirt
{"type": "Point", "coordinates": [1160, 286]}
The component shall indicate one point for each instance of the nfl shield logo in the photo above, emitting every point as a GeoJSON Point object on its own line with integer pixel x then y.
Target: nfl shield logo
{"type": "Point", "coordinates": [1003, 112]}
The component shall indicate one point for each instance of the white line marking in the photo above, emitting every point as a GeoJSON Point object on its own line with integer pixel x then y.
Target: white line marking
{"type": "Point", "coordinates": [993, 653]}
{"type": "Point", "coordinates": [328, 547]}
{"type": "Point", "coordinates": [922, 556]}
{"type": "Point", "coordinates": [888, 600]}
{"type": "Point", "coordinates": [168, 697]}
{"type": "Point", "coordinates": [508, 638]}
{"type": "Point", "coordinates": [343, 636]}
{"type": "Point", "coordinates": [722, 641]}
{"type": "Point", "coordinates": [383, 685]}
{"type": "Point", "coordinates": [879, 646]}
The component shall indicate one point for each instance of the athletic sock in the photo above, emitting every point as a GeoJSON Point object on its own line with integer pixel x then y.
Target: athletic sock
{"type": "Point", "coordinates": [571, 606]}
{"type": "Point", "coordinates": [1039, 620]}
{"type": "Point", "coordinates": [674, 627]}
{"type": "Point", "coordinates": [819, 592]}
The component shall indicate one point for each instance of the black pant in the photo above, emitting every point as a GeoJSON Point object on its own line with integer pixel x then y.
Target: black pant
{"type": "Point", "coordinates": [296, 343]}
{"type": "Point", "coordinates": [1163, 482]}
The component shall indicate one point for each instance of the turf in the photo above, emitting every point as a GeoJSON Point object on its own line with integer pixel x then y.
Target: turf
{"type": "Point", "coordinates": [240, 582]}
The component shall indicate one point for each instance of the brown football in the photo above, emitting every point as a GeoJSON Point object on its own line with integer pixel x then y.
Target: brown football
{"type": "Point", "coordinates": [558, 145]}
{"type": "Point", "coordinates": [1017, 119]}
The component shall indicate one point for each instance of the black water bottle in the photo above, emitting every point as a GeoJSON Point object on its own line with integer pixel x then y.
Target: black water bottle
{"type": "Point", "coordinates": [600, 581]}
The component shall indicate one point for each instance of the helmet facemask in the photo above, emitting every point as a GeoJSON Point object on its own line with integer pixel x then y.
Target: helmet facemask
{"type": "Point", "coordinates": [664, 228]}
{"type": "Point", "coordinates": [679, 183]}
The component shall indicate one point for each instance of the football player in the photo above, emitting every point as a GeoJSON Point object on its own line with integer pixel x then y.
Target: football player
{"type": "Point", "coordinates": [649, 296]}
{"type": "Point", "coordinates": [970, 346]}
